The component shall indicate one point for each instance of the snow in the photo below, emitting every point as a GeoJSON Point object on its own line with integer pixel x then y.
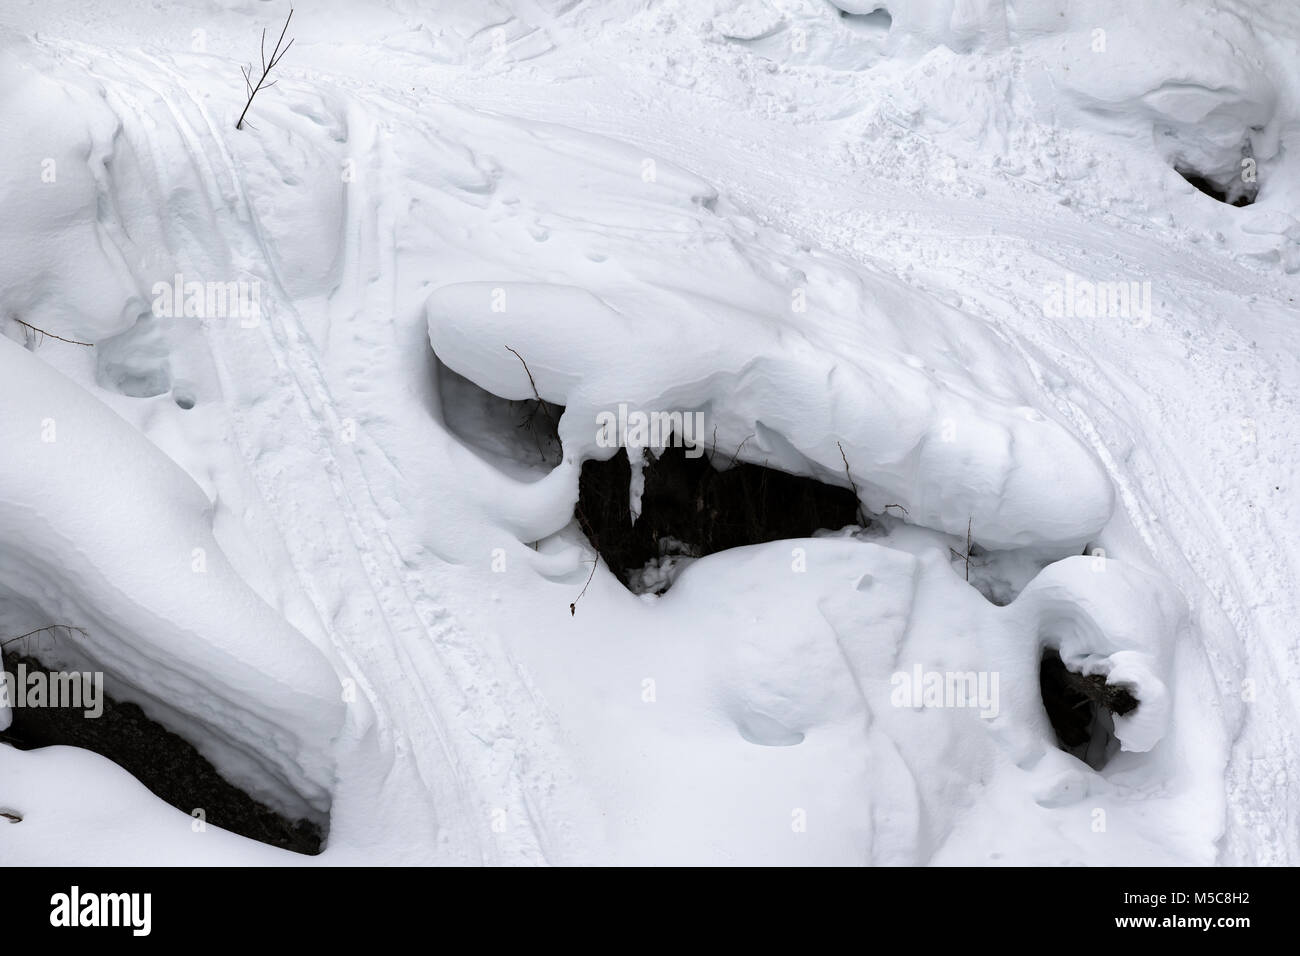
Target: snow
{"type": "Point", "coordinates": [171, 621]}
{"type": "Point", "coordinates": [1118, 621]}
{"type": "Point", "coordinates": [835, 237]}
{"type": "Point", "coordinates": [124, 822]}
{"type": "Point", "coordinates": [806, 400]}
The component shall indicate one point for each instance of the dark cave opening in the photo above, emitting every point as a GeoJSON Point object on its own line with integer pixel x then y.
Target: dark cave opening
{"type": "Point", "coordinates": [517, 436]}
{"type": "Point", "coordinates": [168, 765]}
{"type": "Point", "coordinates": [1237, 194]}
{"type": "Point", "coordinates": [1081, 707]}
{"type": "Point", "coordinates": [690, 508]}
{"type": "Point", "coordinates": [878, 20]}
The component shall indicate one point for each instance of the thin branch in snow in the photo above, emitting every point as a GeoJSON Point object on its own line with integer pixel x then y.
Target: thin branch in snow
{"type": "Point", "coordinates": [267, 66]}
{"type": "Point", "coordinates": [48, 627]}
{"type": "Point", "coordinates": [965, 557]}
{"type": "Point", "coordinates": [591, 534]}
{"type": "Point", "coordinates": [862, 518]}
{"type": "Point", "coordinates": [738, 448]}
{"type": "Point", "coordinates": [541, 404]}
{"type": "Point", "coordinates": [42, 332]}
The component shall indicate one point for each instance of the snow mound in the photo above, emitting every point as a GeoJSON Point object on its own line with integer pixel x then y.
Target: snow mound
{"type": "Point", "coordinates": [947, 455]}
{"type": "Point", "coordinates": [1207, 98]}
{"type": "Point", "coordinates": [124, 825]}
{"type": "Point", "coordinates": [825, 226]}
{"type": "Point", "coordinates": [840, 651]}
{"type": "Point", "coordinates": [61, 270]}
{"type": "Point", "coordinates": [1112, 619]}
{"type": "Point", "coordinates": [125, 550]}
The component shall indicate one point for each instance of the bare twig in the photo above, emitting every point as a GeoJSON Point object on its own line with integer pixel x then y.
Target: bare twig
{"type": "Point", "coordinates": [738, 448]}
{"type": "Point", "coordinates": [541, 404]}
{"type": "Point", "coordinates": [587, 528]}
{"type": "Point", "coordinates": [276, 56]}
{"type": "Point", "coordinates": [39, 331]}
{"type": "Point", "coordinates": [47, 627]}
{"type": "Point", "coordinates": [573, 605]}
{"type": "Point", "coordinates": [591, 535]}
{"type": "Point", "coordinates": [862, 518]}
{"type": "Point", "coordinates": [965, 557]}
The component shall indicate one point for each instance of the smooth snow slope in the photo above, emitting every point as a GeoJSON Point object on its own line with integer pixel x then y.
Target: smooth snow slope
{"type": "Point", "coordinates": [825, 231]}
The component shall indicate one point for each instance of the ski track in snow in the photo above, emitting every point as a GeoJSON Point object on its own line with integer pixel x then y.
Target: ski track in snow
{"type": "Point", "coordinates": [422, 675]}
{"type": "Point", "coordinates": [1169, 503]}
{"type": "Point", "coordinates": [397, 640]}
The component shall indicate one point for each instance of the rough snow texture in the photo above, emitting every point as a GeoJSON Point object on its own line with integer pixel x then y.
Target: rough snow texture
{"type": "Point", "coordinates": [102, 531]}
{"type": "Point", "coordinates": [942, 452]}
{"type": "Point", "coordinates": [821, 230]}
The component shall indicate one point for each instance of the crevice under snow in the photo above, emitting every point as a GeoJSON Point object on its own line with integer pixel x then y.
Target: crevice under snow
{"type": "Point", "coordinates": [934, 253]}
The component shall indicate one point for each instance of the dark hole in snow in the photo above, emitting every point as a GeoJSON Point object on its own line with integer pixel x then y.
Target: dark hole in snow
{"type": "Point", "coordinates": [167, 764]}
{"type": "Point", "coordinates": [1235, 194]}
{"type": "Point", "coordinates": [520, 437]}
{"type": "Point", "coordinates": [877, 21]}
{"type": "Point", "coordinates": [690, 509]}
{"type": "Point", "coordinates": [1080, 708]}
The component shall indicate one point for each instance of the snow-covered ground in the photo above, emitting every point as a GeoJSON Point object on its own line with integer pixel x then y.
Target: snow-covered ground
{"type": "Point", "coordinates": [878, 243]}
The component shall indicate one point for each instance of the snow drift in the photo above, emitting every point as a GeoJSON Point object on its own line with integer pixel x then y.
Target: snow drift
{"type": "Point", "coordinates": [779, 394]}
{"type": "Point", "coordinates": [822, 232]}
{"type": "Point", "coordinates": [124, 548]}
